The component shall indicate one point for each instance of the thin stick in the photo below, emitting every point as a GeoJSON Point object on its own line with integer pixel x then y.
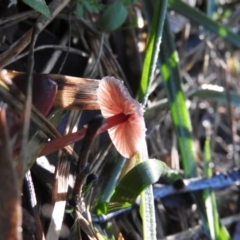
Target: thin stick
{"type": "Point", "coordinates": [16, 18]}
{"type": "Point", "coordinates": [99, 55]}
{"type": "Point", "coordinates": [26, 117]}
{"type": "Point", "coordinates": [57, 47]}
{"type": "Point", "coordinates": [34, 206]}
{"type": "Point", "coordinates": [55, 55]}
{"type": "Point", "coordinates": [11, 216]}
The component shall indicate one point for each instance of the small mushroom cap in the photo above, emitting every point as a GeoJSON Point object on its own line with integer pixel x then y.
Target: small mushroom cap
{"type": "Point", "coordinates": [114, 98]}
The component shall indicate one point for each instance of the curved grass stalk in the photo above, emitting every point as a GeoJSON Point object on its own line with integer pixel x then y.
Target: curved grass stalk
{"type": "Point", "coordinates": [181, 120]}
{"type": "Point", "coordinates": [216, 229]}
{"type": "Point", "coordinates": [147, 200]}
{"type": "Point", "coordinates": [147, 210]}
{"type": "Point", "coordinates": [153, 47]}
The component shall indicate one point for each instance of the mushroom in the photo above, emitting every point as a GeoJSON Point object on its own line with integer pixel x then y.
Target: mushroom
{"type": "Point", "coordinates": [124, 120]}
{"type": "Point", "coordinates": [115, 100]}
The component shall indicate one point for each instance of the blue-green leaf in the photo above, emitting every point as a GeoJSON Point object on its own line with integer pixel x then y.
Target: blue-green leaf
{"type": "Point", "coordinates": [79, 10]}
{"type": "Point", "coordinates": [113, 17]}
{"type": "Point", "coordinates": [39, 6]}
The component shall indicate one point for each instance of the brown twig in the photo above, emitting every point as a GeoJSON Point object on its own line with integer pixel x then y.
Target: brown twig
{"type": "Point", "coordinates": [17, 18]}
{"type": "Point", "coordinates": [57, 47]}
{"type": "Point", "coordinates": [10, 216]}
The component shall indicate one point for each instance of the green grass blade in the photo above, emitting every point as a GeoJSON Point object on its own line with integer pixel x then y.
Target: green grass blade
{"type": "Point", "coordinates": [216, 229]}
{"type": "Point", "coordinates": [147, 202]}
{"type": "Point", "coordinates": [179, 112]}
{"type": "Point", "coordinates": [101, 206]}
{"type": "Point", "coordinates": [180, 116]}
{"type": "Point", "coordinates": [215, 93]}
{"type": "Point", "coordinates": [202, 19]}
{"type": "Point", "coordinates": [152, 50]}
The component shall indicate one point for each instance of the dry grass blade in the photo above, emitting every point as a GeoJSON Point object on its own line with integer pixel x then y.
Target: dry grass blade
{"type": "Point", "coordinates": [73, 92]}
{"type": "Point", "coordinates": [76, 93]}
{"type": "Point", "coordinates": [60, 189]}
{"type": "Point", "coordinates": [18, 17]}
{"type": "Point", "coordinates": [55, 7]}
{"type": "Point", "coordinates": [34, 205]}
{"type": "Point", "coordinates": [10, 217]}
{"type": "Point", "coordinates": [85, 226]}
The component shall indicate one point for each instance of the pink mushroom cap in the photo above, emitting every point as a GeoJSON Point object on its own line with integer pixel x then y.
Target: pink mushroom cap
{"type": "Point", "coordinates": [113, 99]}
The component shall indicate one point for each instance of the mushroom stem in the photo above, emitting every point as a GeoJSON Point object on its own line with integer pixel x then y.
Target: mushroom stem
{"type": "Point", "coordinates": [61, 142]}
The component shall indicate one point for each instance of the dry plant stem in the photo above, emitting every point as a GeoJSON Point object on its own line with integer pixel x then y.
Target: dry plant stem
{"type": "Point", "coordinates": [10, 216]}
{"type": "Point", "coordinates": [82, 166]}
{"type": "Point", "coordinates": [16, 48]}
{"type": "Point", "coordinates": [99, 159]}
{"type": "Point", "coordinates": [76, 93]}
{"type": "Point", "coordinates": [33, 200]}
{"type": "Point", "coordinates": [55, 7]}
{"type": "Point", "coordinates": [55, 55]}
{"type": "Point", "coordinates": [11, 20]}
{"type": "Point", "coordinates": [57, 47]}
{"type": "Point", "coordinates": [73, 122]}
{"type": "Point", "coordinates": [98, 55]}
{"type": "Point", "coordinates": [114, 59]}
{"type": "Point", "coordinates": [26, 117]}
{"type": "Point", "coordinates": [61, 142]}
{"type": "Point", "coordinates": [73, 92]}
{"type": "Point", "coordinates": [59, 197]}
{"type": "Point", "coordinates": [85, 226]}
{"type": "Point", "coordinates": [42, 22]}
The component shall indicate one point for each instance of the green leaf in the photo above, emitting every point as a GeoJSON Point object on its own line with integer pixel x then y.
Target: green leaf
{"type": "Point", "coordinates": [88, 5]}
{"type": "Point", "coordinates": [39, 6]}
{"type": "Point", "coordinates": [113, 17]}
{"type": "Point", "coordinates": [79, 10]}
{"type": "Point", "coordinates": [135, 181]}
{"type": "Point", "coordinates": [102, 208]}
